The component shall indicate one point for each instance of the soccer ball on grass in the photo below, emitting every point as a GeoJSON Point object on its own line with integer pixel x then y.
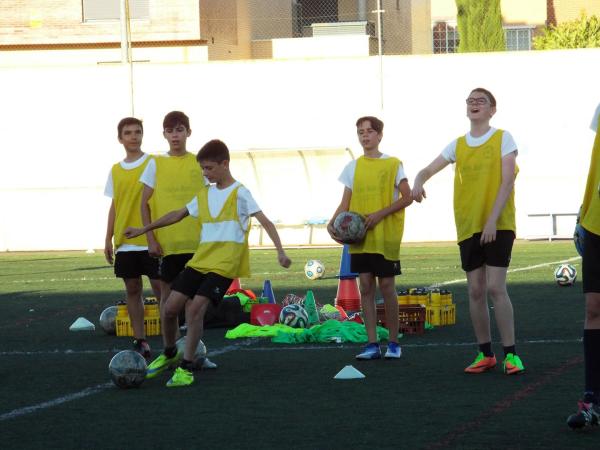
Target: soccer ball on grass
{"type": "Point", "coordinates": [314, 269]}
{"type": "Point", "coordinates": [565, 275]}
{"type": "Point", "coordinates": [127, 369]}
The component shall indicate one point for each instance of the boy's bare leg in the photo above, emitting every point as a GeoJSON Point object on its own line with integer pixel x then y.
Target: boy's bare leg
{"type": "Point", "coordinates": [478, 306]}
{"type": "Point", "coordinates": [503, 309]}
{"type": "Point", "coordinates": [170, 323]}
{"type": "Point", "coordinates": [387, 286]}
{"type": "Point", "coordinates": [135, 306]}
{"type": "Point", "coordinates": [194, 317]}
{"type": "Point", "coordinates": [592, 311]}
{"type": "Point", "coordinates": [367, 301]}
{"type": "Point", "coordinates": [156, 290]}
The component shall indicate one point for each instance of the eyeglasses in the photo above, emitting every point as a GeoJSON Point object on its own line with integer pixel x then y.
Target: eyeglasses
{"type": "Point", "coordinates": [476, 101]}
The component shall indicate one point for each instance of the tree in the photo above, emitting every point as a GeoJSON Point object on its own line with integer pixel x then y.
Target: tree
{"type": "Point", "coordinates": [580, 33]}
{"type": "Point", "coordinates": [480, 26]}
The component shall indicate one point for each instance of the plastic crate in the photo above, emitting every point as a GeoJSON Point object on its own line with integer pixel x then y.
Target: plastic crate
{"type": "Point", "coordinates": [151, 326]}
{"type": "Point", "coordinates": [441, 315]}
{"type": "Point", "coordinates": [411, 318]}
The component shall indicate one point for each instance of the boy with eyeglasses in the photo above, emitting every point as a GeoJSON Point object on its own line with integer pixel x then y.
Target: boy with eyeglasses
{"type": "Point", "coordinates": [484, 212]}
{"type": "Point", "coordinates": [589, 407]}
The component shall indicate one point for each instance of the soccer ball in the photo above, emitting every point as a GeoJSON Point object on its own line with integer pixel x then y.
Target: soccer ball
{"type": "Point", "coordinates": [578, 238]}
{"type": "Point", "coordinates": [127, 369]}
{"type": "Point", "coordinates": [565, 275]}
{"type": "Point", "coordinates": [107, 319]}
{"type": "Point", "coordinates": [314, 269]}
{"type": "Point", "coordinates": [294, 316]}
{"type": "Point", "coordinates": [199, 356]}
{"type": "Point", "coordinates": [349, 227]}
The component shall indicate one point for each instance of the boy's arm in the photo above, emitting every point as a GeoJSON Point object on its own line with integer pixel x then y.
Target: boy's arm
{"type": "Point", "coordinates": [509, 163]}
{"type": "Point", "coordinates": [343, 206]}
{"type": "Point", "coordinates": [164, 221]}
{"type": "Point", "coordinates": [404, 201]}
{"type": "Point", "coordinates": [418, 193]}
{"type": "Point", "coordinates": [268, 226]}
{"type": "Point", "coordinates": [110, 231]}
{"type": "Point", "coordinates": [154, 248]}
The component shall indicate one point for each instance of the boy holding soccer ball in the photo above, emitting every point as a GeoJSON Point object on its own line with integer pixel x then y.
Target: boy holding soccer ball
{"type": "Point", "coordinates": [589, 406]}
{"type": "Point", "coordinates": [223, 212]}
{"type": "Point", "coordinates": [375, 186]}
{"type": "Point", "coordinates": [130, 256]}
{"type": "Point", "coordinates": [484, 212]}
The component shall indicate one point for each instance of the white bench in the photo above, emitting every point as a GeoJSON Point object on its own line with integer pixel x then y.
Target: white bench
{"type": "Point", "coordinates": [553, 232]}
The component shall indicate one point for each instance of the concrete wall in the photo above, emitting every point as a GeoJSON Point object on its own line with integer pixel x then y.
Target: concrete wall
{"type": "Point", "coordinates": [59, 129]}
{"type": "Point", "coordinates": [60, 21]}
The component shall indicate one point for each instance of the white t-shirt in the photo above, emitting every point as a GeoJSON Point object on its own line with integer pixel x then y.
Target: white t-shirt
{"type": "Point", "coordinates": [148, 177]}
{"type": "Point", "coordinates": [347, 176]}
{"type": "Point", "coordinates": [594, 125]}
{"type": "Point", "coordinates": [246, 205]}
{"type": "Point", "coordinates": [109, 191]}
{"type": "Point", "coordinates": [508, 144]}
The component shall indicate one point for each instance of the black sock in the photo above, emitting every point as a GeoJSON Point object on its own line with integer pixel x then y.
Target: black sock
{"type": "Point", "coordinates": [170, 351]}
{"type": "Point", "coordinates": [509, 349]}
{"type": "Point", "coordinates": [591, 349]}
{"type": "Point", "coordinates": [486, 349]}
{"type": "Point", "coordinates": [187, 365]}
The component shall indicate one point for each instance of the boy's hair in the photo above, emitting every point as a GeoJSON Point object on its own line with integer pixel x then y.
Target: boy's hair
{"type": "Point", "coordinates": [128, 121]}
{"type": "Point", "coordinates": [487, 93]}
{"type": "Point", "coordinates": [376, 124]}
{"type": "Point", "coordinates": [175, 118]}
{"type": "Point", "coordinates": [214, 151]}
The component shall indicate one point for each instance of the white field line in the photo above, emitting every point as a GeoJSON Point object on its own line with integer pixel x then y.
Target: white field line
{"type": "Point", "coordinates": [518, 269]}
{"type": "Point", "coordinates": [90, 390]}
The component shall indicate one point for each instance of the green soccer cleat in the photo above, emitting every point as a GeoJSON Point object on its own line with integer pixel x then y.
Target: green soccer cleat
{"type": "Point", "coordinates": [513, 365]}
{"type": "Point", "coordinates": [181, 377]}
{"type": "Point", "coordinates": [162, 363]}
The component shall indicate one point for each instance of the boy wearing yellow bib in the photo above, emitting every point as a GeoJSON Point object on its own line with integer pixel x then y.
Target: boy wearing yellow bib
{"type": "Point", "coordinates": [223, 211]}
{"type": "Point", "coordinates": [130, 256]}
{"type": "Point", "coordinates": [484, 212]}
{"type": "Point", "coordinates": [376, 186]}
{"type": "Point", "coordinates": [589, 407]}
{"type": "Point", "coordinates": [169, 181]}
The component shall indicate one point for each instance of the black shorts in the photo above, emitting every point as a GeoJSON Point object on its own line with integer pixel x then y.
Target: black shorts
{"type": "Point", "coordinates": [191, 282]}
{"type": "Point", "coordinates": [496, 254]}
{"type": "Point", "coordinates": [374, 263]}
{"type": "Point", "coordinates": [591, 262]}
{"type": "Point", "coordinates": [135, 264]}
{"type": "Point", "coordinates": [172, 265]}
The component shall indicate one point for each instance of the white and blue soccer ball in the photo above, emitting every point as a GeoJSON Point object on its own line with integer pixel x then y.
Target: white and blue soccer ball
{"type": "Point", "coordinates": [565, 275]}
{"type": "Point", "coordinates": [127, 369]}
{"type": "Point", "coordinates": [294, 316]}
{"type": "Point", "coordinates": [314, 269]}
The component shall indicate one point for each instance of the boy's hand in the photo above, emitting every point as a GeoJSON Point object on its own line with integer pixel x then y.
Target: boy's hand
{"type": "Point", "coordinates": [418, 193]}
{"type": "Point", "coordinates": [488, 234]}
{"type": "Point", "coordinates": [154, 248]}
{"type": "Point", "coordinates": [131, 232]}
{"type": "Point", "coordinates": [373, 219]}
{"type": "Point", "coordinates": [108, 252]}
{"type": "Point", "coordinates": [284, 261]}
{"type": "Point", "coordinates": [331, 232]}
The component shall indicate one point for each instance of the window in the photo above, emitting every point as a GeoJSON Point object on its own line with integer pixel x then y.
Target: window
{"type": "Point", "coordinates": [445, 38]}
{"type": "Point", "coordinates": [518, 38]}
{"type": "Point", "coordinates": [111, 9]}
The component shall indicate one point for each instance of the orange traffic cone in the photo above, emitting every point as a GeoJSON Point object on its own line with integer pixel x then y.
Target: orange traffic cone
{"type": "Point", "coordinates": [348, 295]}
{"type": "Point", "coordinates": [235, 285]}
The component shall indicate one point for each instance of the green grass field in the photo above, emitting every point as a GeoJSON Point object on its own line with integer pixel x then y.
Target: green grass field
{"type": "Point", "coordinates": [56, 392]}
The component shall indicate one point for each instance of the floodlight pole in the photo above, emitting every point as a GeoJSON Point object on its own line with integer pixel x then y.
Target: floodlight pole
{"type": "Point", "coordinates": [379, 11]}
{"type": "Point", "coordinates": [126, 59]}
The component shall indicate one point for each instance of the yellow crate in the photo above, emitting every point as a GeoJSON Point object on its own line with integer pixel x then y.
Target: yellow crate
{"type": "Point", "coordinates": [441, 315]}
{"type": "Point", "coordinates": [151, 326]}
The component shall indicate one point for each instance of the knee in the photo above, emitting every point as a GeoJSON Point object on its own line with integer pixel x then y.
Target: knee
{"type": "Point", "coordinates": [477, 293]}
{"type": "Point", "coordinates": [171, 313]}
{"type": "Point", "coordinates": [497, 292]}
{"type": "Point", "coordinates": [387, 286]}
{"type": "Point", "coordinates": [592, 309]}
{"type": "Point", "coordinates": [133, 287]}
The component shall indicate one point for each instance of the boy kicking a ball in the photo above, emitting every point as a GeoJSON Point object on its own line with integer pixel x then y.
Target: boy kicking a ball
{"type": "Point", "coordinates": [224, 211]}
